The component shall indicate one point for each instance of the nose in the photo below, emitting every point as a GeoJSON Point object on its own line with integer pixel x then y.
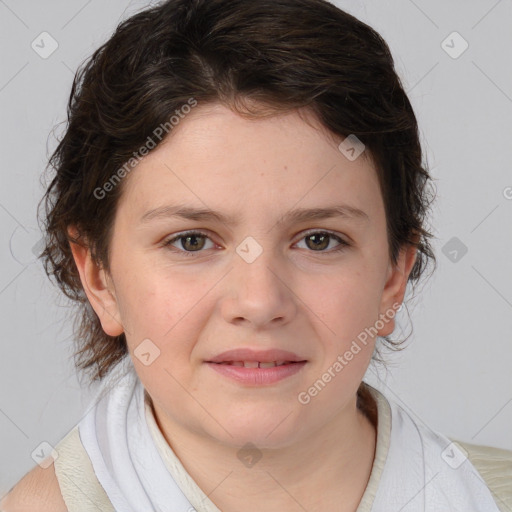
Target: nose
{"type": "Point", "coordinates": [259, 291]}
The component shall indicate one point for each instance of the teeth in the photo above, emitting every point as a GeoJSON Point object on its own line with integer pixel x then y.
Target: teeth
{"type": "Point", "coordinates": [256, 364]}
{"type": "Point", "coordinates": [268, 365]}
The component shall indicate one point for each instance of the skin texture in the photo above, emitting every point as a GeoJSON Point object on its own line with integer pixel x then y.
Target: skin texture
{"type": "Point", "coordinates": [37, 491]}
{"type": "Point", "coordinates": [313, 302]}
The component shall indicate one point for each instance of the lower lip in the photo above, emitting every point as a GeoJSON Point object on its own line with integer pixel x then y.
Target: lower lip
{"type": "Point", "coordinates": [257, 376]}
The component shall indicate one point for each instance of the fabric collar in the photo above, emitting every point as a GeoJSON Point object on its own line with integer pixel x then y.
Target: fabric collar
{"type": "Point", "coordinates": [420, 471]}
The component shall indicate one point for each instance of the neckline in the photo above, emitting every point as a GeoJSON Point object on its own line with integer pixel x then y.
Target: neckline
{"type": "Point", "coordinates": [383, 426]}
{"type": "Point", "coordinates": [379, 413]}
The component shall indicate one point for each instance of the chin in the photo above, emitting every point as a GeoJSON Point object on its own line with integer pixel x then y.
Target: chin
{"type": "Point", "coordinates": [271, 433]}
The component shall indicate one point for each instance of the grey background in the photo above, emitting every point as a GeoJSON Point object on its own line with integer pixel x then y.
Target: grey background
{"type": "Point", "coordinates": [455, 374]}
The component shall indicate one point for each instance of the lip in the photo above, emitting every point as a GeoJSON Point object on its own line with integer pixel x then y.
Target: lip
{"type": "Point", "coordinates": [263, 356]}
{"type": "Point", "coordinates": [257, 376]}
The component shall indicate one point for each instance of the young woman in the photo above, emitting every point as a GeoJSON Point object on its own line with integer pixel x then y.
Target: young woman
{"type": "Point", "coordinates": [238, 207]}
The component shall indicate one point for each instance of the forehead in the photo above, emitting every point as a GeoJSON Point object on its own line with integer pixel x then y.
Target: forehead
{"type": "Point", "coordinates": [216, 159]}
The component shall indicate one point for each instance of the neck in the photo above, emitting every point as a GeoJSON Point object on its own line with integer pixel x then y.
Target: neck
{"type": "Point", "coordinates": [329, 470]}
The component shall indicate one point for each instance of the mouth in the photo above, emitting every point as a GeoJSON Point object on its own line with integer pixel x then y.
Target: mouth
{"type": "Point", "coordinates": [256, 367]}
{"type": "Point", "coordinates": [253, 358]}
{"type": "Point", "coordinates": [256, 364]}
{"type": "Point", "coordinates": [257, 373]}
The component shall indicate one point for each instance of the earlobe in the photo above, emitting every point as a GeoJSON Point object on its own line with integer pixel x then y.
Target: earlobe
{"type": "Point", "coordinates": [99, 291]}
{"type": "Point", "coordinates": [396, 284]}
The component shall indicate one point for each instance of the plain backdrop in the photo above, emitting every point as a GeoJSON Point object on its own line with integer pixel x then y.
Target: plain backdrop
{"type": "Point", "coordinates": [455, 373]}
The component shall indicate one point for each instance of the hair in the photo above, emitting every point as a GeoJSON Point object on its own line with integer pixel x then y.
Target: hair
{"type": "Point", "coordinates": [258, 58]}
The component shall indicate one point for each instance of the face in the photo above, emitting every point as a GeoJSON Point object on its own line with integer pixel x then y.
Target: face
{"type": "Point", "coordinates": [257, 278]}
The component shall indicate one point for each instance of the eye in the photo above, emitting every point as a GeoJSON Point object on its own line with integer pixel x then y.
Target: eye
{"type": "Point", "coordinates": [189, 242]}
{"type": "Point", "coordinates": [194, 241]}
{"type": "Point", "coordinates": [320, 240]}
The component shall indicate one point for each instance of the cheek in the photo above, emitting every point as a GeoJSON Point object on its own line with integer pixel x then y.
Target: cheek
{"type": "Point", "coordinates": [164, 308]}
{"type": "Point", "coordinates": [150, 297]}
{"type": "Point", "coordinates": [350, 298]}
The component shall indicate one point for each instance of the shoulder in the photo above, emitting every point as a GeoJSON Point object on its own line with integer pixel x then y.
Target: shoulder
{"type": "Point", "coordinates": [492, 463]}
{"type": "Point", "coordinates": [37, 491]}
{"type": "Point", "coordinates": [495, 467]}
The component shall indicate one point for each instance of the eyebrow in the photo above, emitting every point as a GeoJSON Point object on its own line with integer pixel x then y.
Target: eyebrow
{"type": "Point", "coordinates": [296, 215]}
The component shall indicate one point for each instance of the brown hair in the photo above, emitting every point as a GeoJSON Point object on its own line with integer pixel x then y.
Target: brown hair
{"type": "Point", "coordinates": [279, 55]}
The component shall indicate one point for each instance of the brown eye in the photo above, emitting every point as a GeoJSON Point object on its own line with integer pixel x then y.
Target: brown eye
{"type": "Point", "coordinates": [194, 241]}
{"type": "Point", "coordinates": [189, 242]}
{"type": "Point", "coordinates": [318, 241]}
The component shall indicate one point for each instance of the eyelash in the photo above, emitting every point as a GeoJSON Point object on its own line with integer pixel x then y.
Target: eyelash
{"type": "Point", "coordinates": [343, 244]}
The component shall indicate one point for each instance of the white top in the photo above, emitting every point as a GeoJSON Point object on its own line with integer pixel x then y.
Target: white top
{"type": "Point", "coordinates": [415, 469]}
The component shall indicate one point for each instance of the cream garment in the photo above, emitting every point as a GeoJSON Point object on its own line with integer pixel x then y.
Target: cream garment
{"type": "Point", "coordinates": [82, 491]}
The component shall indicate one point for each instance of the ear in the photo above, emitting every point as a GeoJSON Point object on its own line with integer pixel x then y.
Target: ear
{"type": "Point", "coordinates": [394, 289]}
{"type": "Point", "coordinates": [97, 287]}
